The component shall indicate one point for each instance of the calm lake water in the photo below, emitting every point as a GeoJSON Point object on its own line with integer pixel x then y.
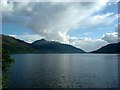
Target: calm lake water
{"type": "Point", "coordinates": [63, 70]}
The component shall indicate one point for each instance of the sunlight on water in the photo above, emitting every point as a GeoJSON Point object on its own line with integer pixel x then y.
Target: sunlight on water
{"type": "Point", "coordinates": [64, 70]}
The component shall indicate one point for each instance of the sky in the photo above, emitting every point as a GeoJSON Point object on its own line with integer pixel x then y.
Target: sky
{"type": "Point", "coordinates": [86, 25]}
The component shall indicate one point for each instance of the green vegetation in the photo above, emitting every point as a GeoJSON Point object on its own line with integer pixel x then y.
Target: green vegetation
{"type": "Point", "coordinates": [6, 61]}
{"type": "Point", "coordinates": [16, 46]}
{"type": "Point", "coordinates": [13, 45]}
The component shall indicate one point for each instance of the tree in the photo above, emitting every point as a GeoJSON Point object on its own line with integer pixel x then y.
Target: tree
{"type": "Point", "coordinates": [6, 61]}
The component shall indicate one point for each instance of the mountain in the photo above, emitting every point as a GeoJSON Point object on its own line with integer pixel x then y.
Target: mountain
{"type": "Point", "coordinates": [55, 47]}
{"type": "Point", "coordinates": [13, 45]}
{"type": "Point", "coordinates": [110, 48]}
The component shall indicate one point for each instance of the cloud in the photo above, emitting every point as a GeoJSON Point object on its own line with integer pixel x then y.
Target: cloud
{"type": "Point", "coordinates": [50, 20]}
{"type": "Point", "coordinates": [59, 0]}
{"type": "Point", "coordinates": [98, 20]}
{"type": "Point", "coordinates": [28, 37]}
{"type": "Point", "coordinates": [62, 0]}
{"type": "Point", "coordinates": [87, 44]}
{"type": "Point", "coordinates": [111, 37]}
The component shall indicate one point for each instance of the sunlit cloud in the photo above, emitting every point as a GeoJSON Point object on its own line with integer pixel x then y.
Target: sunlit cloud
{"type": "Point", "coordinates": [49, 20]}
{"type": "Point", "coordinates": [53, 20]}
{"type": "Point", "coordinates": [111, 37]}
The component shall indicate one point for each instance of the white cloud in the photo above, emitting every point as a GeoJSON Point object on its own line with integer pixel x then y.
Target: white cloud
{"type": "Point", "coordinates": [103, 19]}
{"type": "Point", "coordinates": [87, 44]}
{"type": "Point", "coordinates": [111, 37]}
{"type": "Point", "coordinates": [59, 0]}
{"type": "Point", "coordinates": [50, 20]}
{"type": "Point", "coordinates": [62, 0]}
{"type": "Point", "coordinates": [27, 37]}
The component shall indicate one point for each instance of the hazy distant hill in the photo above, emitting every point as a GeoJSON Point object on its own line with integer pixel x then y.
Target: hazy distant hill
{"type": "Point", "coordinates": [40, 46]}
{"type": "Point", "coordinates": [55, 47]}
{"type": "Point", "coordinates": [110, 48]}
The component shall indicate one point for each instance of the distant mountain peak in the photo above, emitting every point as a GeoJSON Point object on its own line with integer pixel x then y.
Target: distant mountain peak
{"type": "Point", "coordinates": [42, 39]}
{"type": "Point", "coordinates": [39, 42]}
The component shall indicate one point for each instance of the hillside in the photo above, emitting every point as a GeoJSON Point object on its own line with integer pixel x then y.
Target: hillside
{"type": "Point", "coordinates": [55, 47]}
{"type": "Point", "coordinates": [13, 45]}
{"type": "Point", "coordinates": [110, 48]}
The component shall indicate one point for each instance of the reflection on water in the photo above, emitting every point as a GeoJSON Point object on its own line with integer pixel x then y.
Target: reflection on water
{"type": "Point", "coordinates": [64, 70]}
